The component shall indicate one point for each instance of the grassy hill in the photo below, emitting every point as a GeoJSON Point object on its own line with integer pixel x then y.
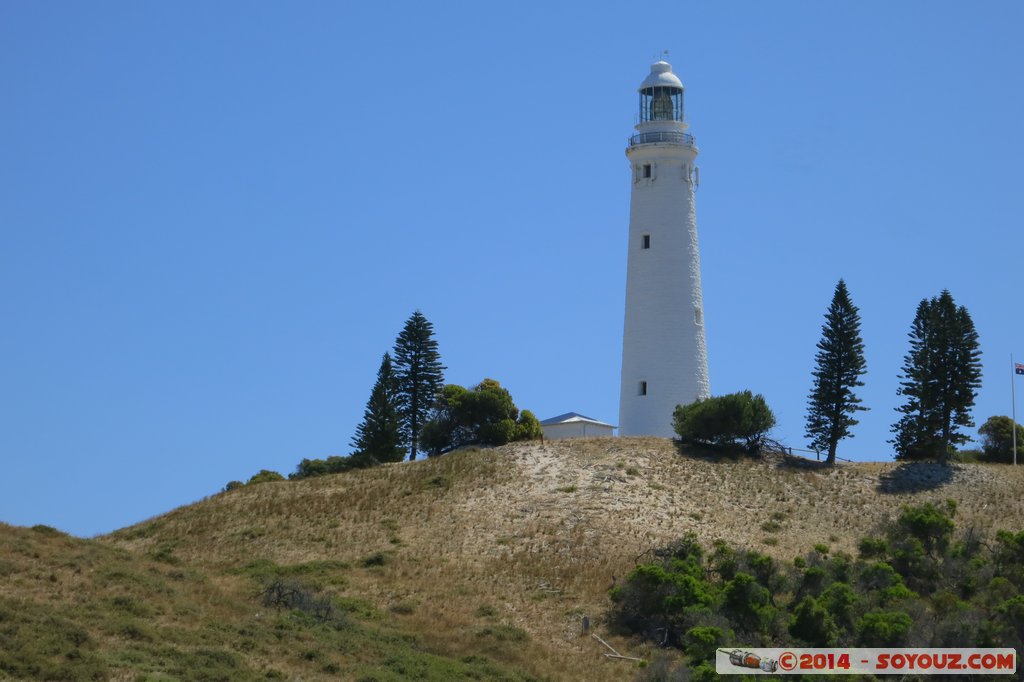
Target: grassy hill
{"type": "Point", "coordinates": [476, 565]}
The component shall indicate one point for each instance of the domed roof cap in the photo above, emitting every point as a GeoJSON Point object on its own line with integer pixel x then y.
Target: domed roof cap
{"type": "Point", "coordinates": [661, 76]}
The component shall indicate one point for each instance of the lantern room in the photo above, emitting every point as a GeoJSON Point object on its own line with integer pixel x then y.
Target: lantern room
{"type": "Point", "coordinates": [661, 95]}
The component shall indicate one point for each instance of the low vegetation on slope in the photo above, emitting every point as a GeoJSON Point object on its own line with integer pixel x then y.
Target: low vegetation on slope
{"type": "Point", "coordinates": [477, 565]}
{"type": "Point", "coordinates": [918, 583]}
{"type": "Point", "coordinates": [74, 609]}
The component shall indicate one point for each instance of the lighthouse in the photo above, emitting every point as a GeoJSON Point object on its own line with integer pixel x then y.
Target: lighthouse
{"type": "Point", "coordinates": [664, 355]}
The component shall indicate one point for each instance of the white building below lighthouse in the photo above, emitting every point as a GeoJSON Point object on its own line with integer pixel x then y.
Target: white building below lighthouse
{"type": "Point", "coordinates": [664, 355]}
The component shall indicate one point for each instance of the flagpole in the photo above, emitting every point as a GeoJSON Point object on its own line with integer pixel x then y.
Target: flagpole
{"type": "Point", "coordinates": [1013, 407]}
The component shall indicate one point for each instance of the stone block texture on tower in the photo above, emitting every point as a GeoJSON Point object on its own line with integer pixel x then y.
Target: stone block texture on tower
{"type": "Point", "coordinates": [664, 356]}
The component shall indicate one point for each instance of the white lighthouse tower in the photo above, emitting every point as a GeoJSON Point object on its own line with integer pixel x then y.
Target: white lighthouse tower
{"type": "Point", "coordinates": [664, 356]}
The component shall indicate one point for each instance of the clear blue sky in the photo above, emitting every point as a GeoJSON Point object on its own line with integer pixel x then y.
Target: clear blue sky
{"type": "Point", "coordinates": [215, 217]}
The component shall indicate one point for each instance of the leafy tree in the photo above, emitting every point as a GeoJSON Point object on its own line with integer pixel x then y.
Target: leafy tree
{"type": "Point", "coordinates": [420, 376]}
{"type": "Point", "coordinates": [378, 438]}
{"type": "Point", "coordinates": [941, 375]}
{"type": "Point", "coordinates": [492, 414]}
{"type": "Point", "coordinates": [449, 426]}
{"type": "Point", "coordinates": [723, 420]}
{"type": "Point", "coordinates": [840, 363]}
{"type": "Point", "coordinates": [997, 435]}
{"type": "Point", "coordinates": [485, 415]}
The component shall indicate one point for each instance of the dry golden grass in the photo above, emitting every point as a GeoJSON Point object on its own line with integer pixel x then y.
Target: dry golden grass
{"type": "Point", "coordinates": [473, 549]}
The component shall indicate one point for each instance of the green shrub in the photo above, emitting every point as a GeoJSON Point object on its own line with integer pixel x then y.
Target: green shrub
{"type": "Point", "coordinates": [497, 433]}
{"type": "Point", "coordinates": [883, 628]}
{"type": "Point", "coordinates": [486, 611]}
{"type": "Point", "coordinates": [918, 587]}
{"type": "Point", "coordinates": [1009, 556]}
{"type": "Point", "coordinates": [872, 548]}
{"type": "Point", "coordinates": [403, 608]}
{"type": "Point", "coordinates": [528, 427]}
{"type": "Point", "coordinates": [929, 524]}
{"type": "Point", "coordinates": [701, 642]}
{"type": "Point", "coordinates": [813, 580]}
{"type": "Point", "coordinates": [308, 468]}
{"type": "Point", "coordinates": [969, 456]}
{"type": "Point", "coordinates": [725, 420]}
{"type": "Point", "coordinates": [896, 593]}
{"type": "Point", "coordinates": [878, 576]}
{"type": "Point", "coordinates": [265, 476]}
{"type": "Point", "coordinates": [290, 594]}
{"type": "Point", "coordinates": [165, 552]}
{"type": "Point", "coordinates": [725, 561]}
{"type": "Point", "coordinates": [233, 485]}
{"type": "Point", "coordinates": [812, 623]}
{"type": "Point", "coordinates": [840, 600]}
{"type": "Point", "coordinates": [746, 602]}
{"type": "Point", "coordinates": [375, 559]}
{"type": "Point", "coordinates": [442, 482]}
{"type": "Point", "coordinates": [134, 630]}
{"type": "Point", "coordinates": [659, 595]}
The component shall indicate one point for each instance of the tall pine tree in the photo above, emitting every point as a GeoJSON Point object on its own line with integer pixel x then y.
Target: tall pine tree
{"type": "Point", "coordinates": [378, 438]}
{"type": "Point", "coordinates": [911, 432]}
{"type": "Point", "coordinates": [941, 377]}
{"type": "Point", "coordinates": [420, 376]}
{"type": "Point", "coordinates": [840, 364]}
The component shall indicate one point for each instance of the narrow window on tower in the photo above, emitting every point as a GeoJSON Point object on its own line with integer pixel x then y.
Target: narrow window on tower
{"type": "Point", "coordinates": [643, 388]}
{"type": "Point", "coordinates": [698, 316]}
{"type": "Point", "coordinates": [645, 241]}
{"type": "Point", "coordinates": [647, 170]}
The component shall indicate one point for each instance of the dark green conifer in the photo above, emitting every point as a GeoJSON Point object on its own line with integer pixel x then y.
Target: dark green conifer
{"type": "Point", "coordinates": [941, 377]}
{"type": "Point", "coordinates": [378, 438]}
{"type": "Point", "coordinates": [840, 364]}
{"type": "Point", "coordinates": [420, 377]}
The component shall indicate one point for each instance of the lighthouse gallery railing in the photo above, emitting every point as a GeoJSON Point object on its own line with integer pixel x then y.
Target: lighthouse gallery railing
{"type": "Point", "coordinates": [662, 136]}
